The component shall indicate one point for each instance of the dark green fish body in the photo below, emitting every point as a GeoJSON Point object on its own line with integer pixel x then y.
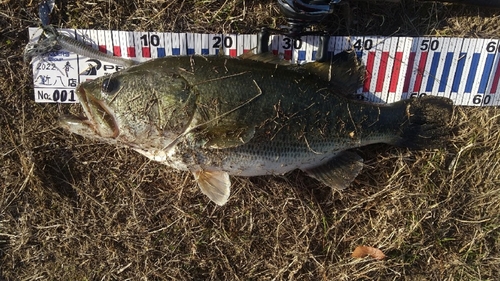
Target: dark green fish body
{"type": "Point", "coordinates": [216, 116]}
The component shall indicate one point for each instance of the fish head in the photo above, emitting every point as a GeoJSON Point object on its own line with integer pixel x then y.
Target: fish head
{"type": "Point", "coordinates": [133, 105]}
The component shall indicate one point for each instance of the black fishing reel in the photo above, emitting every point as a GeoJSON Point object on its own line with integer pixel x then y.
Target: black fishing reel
{"type": "Point", "coordinates": [302, 13]}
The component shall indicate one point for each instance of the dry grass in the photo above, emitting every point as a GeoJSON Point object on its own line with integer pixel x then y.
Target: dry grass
{"type": "Point", "coordinates": [73, 209]}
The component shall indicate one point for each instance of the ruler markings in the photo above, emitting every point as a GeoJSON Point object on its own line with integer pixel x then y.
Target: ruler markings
{"type": "Point", "coordinates": [129, 43]}
{"type": "Point", "coordinates": [115, 42]}
{"type": "Point", "coordinates": [240, 47]}
{"type": "Point", "coordinates": [230, 43]}
{"type": "Point", "coordinates": [474, 61]}
{"type": "Point", "coordinates": [285, 47]}
{"type": "Point", "coordinates": [496, 77]}
{"type": "Point", "coordinates": [488, 66]}
{"type": "Point", "coordinates": [489, 69]}
{"type": "Point", "coordinates": [176, 50]}
{"type": "Point", "coordinates": [396, 54]}
{"type": "Point", "coordinates": [436, 66]}
{"type": "Point", "coordinates": [454, 48]}
{"type": "Point", "coordinates": [460, 66]}
{"type": "Point", "coordinates": [419, 74]}
{"type": "Point", "coordinates": [469, 55]}
{"type": "Point", "coordinates": [161, 49]}
{"type": "Point", "coordinates": [314, 47]}
{"type": "Point", "coordinates": [409, 72]}
{"type": "Point", "coordinates": [368, 59]}
{"type": "Point", "coordinates": [480, 64]}
{"type": "Point", "coordinates": [375, 68]}
{"type": "Point", "coordinates": [413, 66]}
{"type": "Point", "coordinates": [471, 78]}
{"type": "Point", "coordinates": [303, 49]}
{"type": "Point", "coordinates": [396, 81]}
{"type": "Point", "coordinates": [297, 47]}
{"type": "Point", "coordinates": [168, 44]}
{"type": "Point", "coordinates": [359, 54]}
{"type": "Point", "coordinates": [428, 66]}
{"type": "Point", "coordinates": [182, 44]}
{"type": "Point", "coordinates": [108, 41]}
{"type": "Point", "coordinates": [408, 43]}
{"type": "Point", "coordinates": [152, 41]}
{"type": "Point", "coordinates": [122, 38]}
{"type": "Point", "coordinates": [138, 45]}
{"type": "Point", "coordinates": [331, 46]}
{"type": "Point", "coordinates": [274, 45]}
{"type": "Point", "coordinates": [390, 68]}
{"type": "Point", "coordinates": [205, 43]}
{"type": "Point", "coordinates": [464, 69]}
{"type": "Point", "coordinates": [381, 59]}
{"type": "Point", "coordinates": [190, 44]}
{"type": "Point", "coordinates": [448, 51]}
{"type": "Point", "coordinates": [101, 41]}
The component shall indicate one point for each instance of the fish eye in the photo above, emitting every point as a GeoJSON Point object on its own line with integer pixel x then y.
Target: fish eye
{"type": "Point", "coordinates": [108, 85]}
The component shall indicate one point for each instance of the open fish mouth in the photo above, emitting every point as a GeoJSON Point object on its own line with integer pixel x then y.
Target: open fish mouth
{"type": "Point", "coordinates": [98, 117]}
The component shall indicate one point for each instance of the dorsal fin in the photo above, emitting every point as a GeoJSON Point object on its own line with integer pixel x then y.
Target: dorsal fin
{"type": "Point", "coordinates": [343, 71]}
{"type": "Point", "coordinates": [264, 57]}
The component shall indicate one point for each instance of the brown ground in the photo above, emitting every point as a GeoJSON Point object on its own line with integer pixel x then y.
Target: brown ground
{"type": "Point", "coordinates": [73, 209]}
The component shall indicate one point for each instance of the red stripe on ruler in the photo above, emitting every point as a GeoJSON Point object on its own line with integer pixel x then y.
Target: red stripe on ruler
{"type": "Point", "coordinates": [287, 55]}
{"type": "Point", "coordinates": [381, 72]}
{"type": "Point", "coordinates": [102, 49]}
{"type": "Point", "coordinates": [146, 53]}
{"type": "Point", "coordinates": [131, 52]}
{"type": "Point", "coordinates": [275, 52]}
{"type": "Point", "coordinates": [420, 71]}
{"type": "Point", "coordinates": [232, 53]}
{"type": "Point", "coordinates": [369, 70]}
{"type": "Point", "coordinates": [117, 51]}
{"type": "Point", "coordinates": [246, 51]}
{"type": "Point", "coordinates": [395, 72]}
{"type": "Point", "coordinates": [409, 70]}
{"type": "Point", "coordinates": [494, 86]}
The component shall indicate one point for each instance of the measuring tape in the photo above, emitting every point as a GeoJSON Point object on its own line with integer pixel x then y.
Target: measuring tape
{"type": "Point", "coordinates": [467, 70]}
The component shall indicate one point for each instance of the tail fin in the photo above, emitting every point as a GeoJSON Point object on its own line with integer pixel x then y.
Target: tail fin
{"type": "Point", "coordinates": [428, 122]}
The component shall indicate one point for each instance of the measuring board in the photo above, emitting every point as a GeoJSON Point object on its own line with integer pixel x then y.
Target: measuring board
{"type": "Point", "coordinates": [467, 70]}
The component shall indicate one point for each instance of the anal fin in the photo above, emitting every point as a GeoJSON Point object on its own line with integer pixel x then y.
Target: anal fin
{"type": "Point", "coordinates": [214, 184]}
{"type": "Point", "coordinates": [338, 172]}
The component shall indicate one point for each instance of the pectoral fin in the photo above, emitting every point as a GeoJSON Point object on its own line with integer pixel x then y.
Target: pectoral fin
{"type": "Point", "coordinates": [227, 137]}
{"type": "Point", "coordinates": [340, 171]}
{"type": "Point", "coordinates": [214, 184]}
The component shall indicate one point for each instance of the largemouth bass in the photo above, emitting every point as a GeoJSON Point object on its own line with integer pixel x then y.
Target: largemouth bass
{"type": "Point", "coordinates": [219, 116]}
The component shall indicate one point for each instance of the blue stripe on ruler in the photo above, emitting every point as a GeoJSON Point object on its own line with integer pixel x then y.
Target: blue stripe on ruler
{"type": "Point", "coordinates": [432, 72]}
{"type": "Point", "coordinates": [458, 74]}
{"type": "Point", "coordinates": [176, 51]}
{"type": "Point", "coordinates": [302, 55]}
{"type": "Point", "coordinates": [204, 51]}
{"type": "Point", "coordinates": [486, 73]}
{"type": "Point", "coordinates": [314, 55]}
{"type": "Point", "coordinates": [190, 51]}
{"type": "Point", "coordinates": [161, 52]}
{"type": "Point", "coordinates": [472, 73]}
{"type": "Point", "coordinates": [446, 72]}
